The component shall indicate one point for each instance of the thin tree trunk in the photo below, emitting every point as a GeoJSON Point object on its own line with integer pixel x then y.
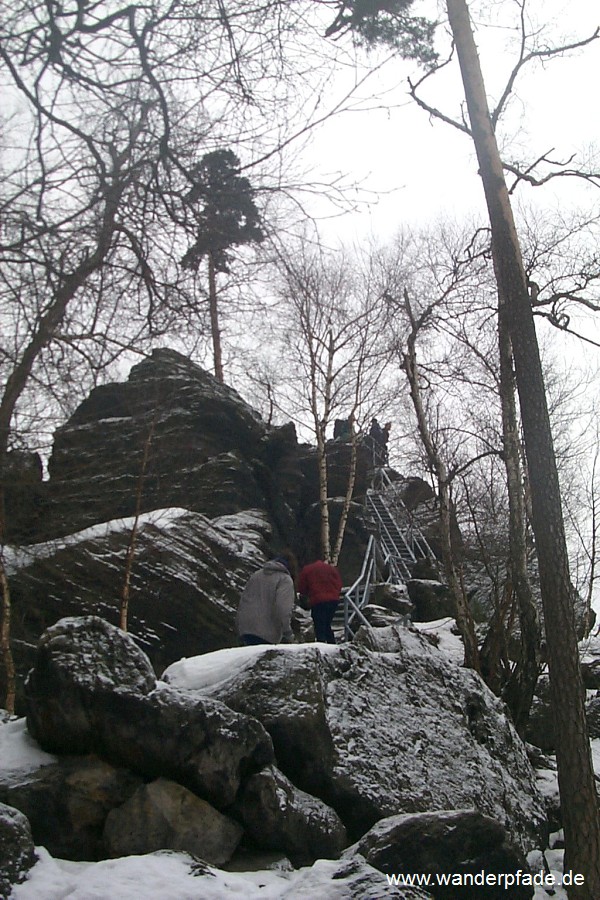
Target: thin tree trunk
{"type": "Point", "coordinates": [124, 610]}
{"type": "Point", "coordinates": [5, 643]}
{"type": "Point", "coordinates": [214, 319]}
{"type": "Point", "coordinates": [348, 496]}
{"type": "Point", "coordinates": [575, 773]}
{"type": "Point", "coordinates": [519, 690]}
{"type": "Point", "coordinates": [464, 618]}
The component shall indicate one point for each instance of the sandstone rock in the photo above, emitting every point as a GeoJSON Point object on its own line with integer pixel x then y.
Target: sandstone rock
{"type": "Point", "coordinates": [77, 659]}
{"type": "Point", "coordinates": [188, 572]}
{"type": "Point", "coordinates": [278, 816]}
{"type": "Point", "coordinates": [431, 600]}
{"type": "Point", "coordinates": [165, 816]}
{"type": "Point", "coordinates": [73, 708]}
{"type": "Point", "coordinates": [67, 803]}
{"type": "Point", "coordinates": [375, 734]}
{"type": "Point", "coordinates": [16, 848]}
{"type": "Point", "coordinates": [394, 598]}
{"type": "Point", "coordinates": [454, 843]}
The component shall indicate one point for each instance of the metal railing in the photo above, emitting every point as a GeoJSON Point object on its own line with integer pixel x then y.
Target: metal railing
{"type": "Point", "coordinates": [396, 559]}
{"type": "Point", "coordinates": [357, 596]}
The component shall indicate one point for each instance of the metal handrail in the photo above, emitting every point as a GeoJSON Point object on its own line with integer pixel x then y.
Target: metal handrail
{"type": "Point", "coordinates": [356, 596]}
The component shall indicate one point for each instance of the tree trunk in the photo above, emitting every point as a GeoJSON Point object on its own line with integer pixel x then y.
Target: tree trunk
{"type": "Point", "coordinates": [464, 618]}
{"type": "Point", "coordinates": [214, 319]}
{"type": "Point", "coordinates": [519, 690]}
{"type": "Point", "coordinates": [575, 773]}
{"type": "Point", "coordinates": [349, 493]}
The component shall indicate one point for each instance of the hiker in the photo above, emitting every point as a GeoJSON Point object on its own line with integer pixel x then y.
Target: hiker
{"type": "Point", "coordinates": [385, 437]}
{"type": "Point", "coordinates": [378, 442]}
{"type": "Point", "coordinates": [265, 612]}
{"type": "Point", "coordinates": [322, 584]}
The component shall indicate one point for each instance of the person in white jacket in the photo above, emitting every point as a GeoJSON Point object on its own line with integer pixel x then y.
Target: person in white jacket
{"type": "Point", "coordinates": [265, 612]}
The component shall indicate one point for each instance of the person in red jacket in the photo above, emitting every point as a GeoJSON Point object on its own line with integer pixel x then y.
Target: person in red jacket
{"type": "Point", "coordinates": [322, 584]}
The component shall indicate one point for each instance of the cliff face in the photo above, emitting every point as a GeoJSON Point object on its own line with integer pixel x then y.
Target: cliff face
{"type": "Point", "coordinates": [216, 490]}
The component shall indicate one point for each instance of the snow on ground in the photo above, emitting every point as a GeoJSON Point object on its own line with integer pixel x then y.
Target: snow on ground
{"type": "Point", "coordinates": [213, 669]}
{"type": "Point", "coordinates": [449, 642]}
{"type": "Point", "coordinates": [18, 751]}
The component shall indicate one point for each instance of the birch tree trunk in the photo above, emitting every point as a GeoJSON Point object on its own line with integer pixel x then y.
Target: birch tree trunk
{"type": "Point", "coordinates": [575, 773]}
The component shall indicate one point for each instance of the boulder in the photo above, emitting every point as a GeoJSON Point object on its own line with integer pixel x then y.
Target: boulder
{"type": "Point", "coordinates": [462, 844]}
{"type": "Point", "coordinates": [163, 815]}
{"type": "Point", "coordinates": [17, 854]}
{"type": "Point", "coordinates": [187, 575]}
{"type": "Point", "coordinates": [278, 816]}
{"type": "Point", "coordinates": [431, 599]}
{"type": "Point", "coordinates": [80, 701]}
{"type": "Point", "coordinates": [375, 734]}
{"type": "Point", "coordinates": [67, 803]}
{"type": "Point", "coordinates": [393, 598]}
{"type": "Point", "coordinates": [79, 659]}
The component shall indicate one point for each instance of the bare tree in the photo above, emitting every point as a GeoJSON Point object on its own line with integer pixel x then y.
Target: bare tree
{"type": "Point", "coordinates": [333, 330]}
{"type": "Point", "coordinates": [576, 780]}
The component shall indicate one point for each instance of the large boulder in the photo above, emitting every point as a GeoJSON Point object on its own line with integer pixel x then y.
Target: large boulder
{"type": "Point", "coordinates": [165, 816]}
{"type": "Point", "coordinates": [462, 847]}
{"type": "Point", "coordinates": [67, 803]}
{"type": "Point", "coordinates": [375, 734]}
{"type": "Point", "coordinates": [278, 816]}
{"type": "Point", "coordinates": [186, 578]}
{"type": "Point", "coordinates": [17, 854]}
{"type": "Point", "coordinates": [81, 701]}
{"type": "Point", "coordinates": [145, 442]}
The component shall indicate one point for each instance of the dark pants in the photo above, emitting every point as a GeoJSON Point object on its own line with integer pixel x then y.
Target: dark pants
{"type": "Point", "coordinates": [251, 640]}
{"type": "Point", "coordinates": [322, 616]}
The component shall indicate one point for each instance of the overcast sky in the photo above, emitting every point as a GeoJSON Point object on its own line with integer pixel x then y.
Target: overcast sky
{"type": "Point", "coordinates": [422, 169]}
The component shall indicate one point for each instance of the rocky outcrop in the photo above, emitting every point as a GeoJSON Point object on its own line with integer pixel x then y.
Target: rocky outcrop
{"type": "Point", "coordinates": [67, 802]}
{"type": "Point", "coordinates": [17, 854]}
{"type": "Point", "coordinates": [470, 849]}
{"type": "Point", "coordinates": [431, 600]}
{"type": "Point", "coordinates": [164, 815]}
{"type": "Point", "coordinates": [77, 703]}
{"type": "Point", "coordinates": [440, 739]}
{"type": "Point", "coordinates": [187, 574]}
{"type": "Point", "coordinates": [278, 816]}
{"type": "Point", "coordinates": [216, 489]}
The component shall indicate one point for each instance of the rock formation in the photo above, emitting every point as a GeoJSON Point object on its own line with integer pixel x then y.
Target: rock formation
{"type": "Point", "coordinates": [281, 749]}
{"type": "Point", "coordinates": [215, 487]}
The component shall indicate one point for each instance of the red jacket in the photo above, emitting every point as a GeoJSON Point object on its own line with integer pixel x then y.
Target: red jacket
{"type": "Point", "coordinates": [320, 582]}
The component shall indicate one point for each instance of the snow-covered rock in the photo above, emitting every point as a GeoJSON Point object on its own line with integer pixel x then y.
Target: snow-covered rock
{"type": "Point", "coordinates": [81, 702]}
{"type": "Point", "coordinates": [17, 854]}
{"type": "Point", "coordinates": [452, 843]}
{"type": "Point", "coordinates": [375, 734]}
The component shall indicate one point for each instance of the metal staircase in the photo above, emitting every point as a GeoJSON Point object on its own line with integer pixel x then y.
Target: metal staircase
{"type": "Point", "coordinates": [395, 544]}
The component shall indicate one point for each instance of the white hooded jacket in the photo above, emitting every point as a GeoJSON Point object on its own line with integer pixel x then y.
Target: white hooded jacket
{"type": "Point", "coordinates": [266, 604]}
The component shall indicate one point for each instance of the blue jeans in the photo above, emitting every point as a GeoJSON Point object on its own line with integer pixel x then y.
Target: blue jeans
{"type": "Point", "coordinates": [322, 616]}
{"type": "Point", "coordinates": [251, 640]}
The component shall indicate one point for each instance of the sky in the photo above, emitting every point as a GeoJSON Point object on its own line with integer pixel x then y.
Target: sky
{"type": "Point", "coordinates": [415, 170]}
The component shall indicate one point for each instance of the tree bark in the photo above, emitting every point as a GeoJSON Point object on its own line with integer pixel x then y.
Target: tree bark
{"type": "Point", "coordinates": [214, 319]}
{"type": "Point", "coordinates": [575, 774]}
{"type": "Point", "coordinates": [519, 690]}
